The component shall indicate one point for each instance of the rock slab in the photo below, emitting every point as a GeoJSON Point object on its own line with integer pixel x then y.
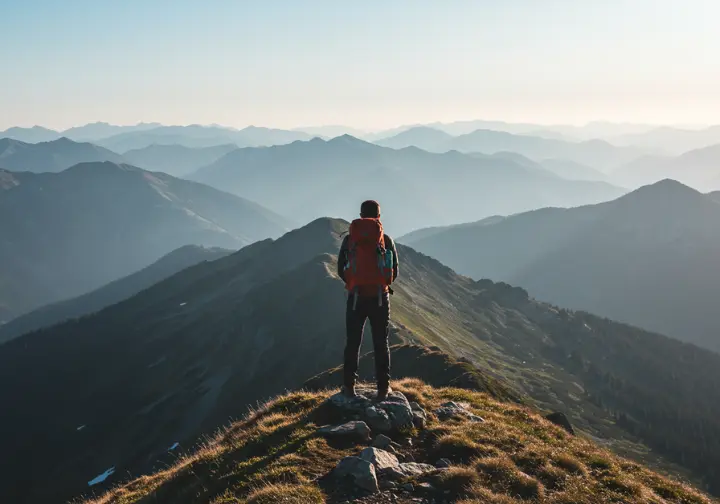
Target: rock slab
{"type": "Point", "coordinates": [355, 429]}
{"type": "Point", "coordinates": [360, 471]}
{"type": "Point", "coordinates": [381, 459]}
{"type": "Point", "coordinates": [453, 409]}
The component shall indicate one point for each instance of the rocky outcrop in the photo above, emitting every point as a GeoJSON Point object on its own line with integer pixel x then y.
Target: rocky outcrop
{"type": "Point", "coordinates": [392, 414]}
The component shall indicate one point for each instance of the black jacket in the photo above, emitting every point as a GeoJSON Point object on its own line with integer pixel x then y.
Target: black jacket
{"type": "Point", "coordinates": [343, 256]}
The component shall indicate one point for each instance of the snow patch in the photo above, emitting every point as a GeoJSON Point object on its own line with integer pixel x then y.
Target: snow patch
{"type": "Point", "coordinates": [102, 477]}
{"type": "Point", "coordinates": [174, 446]}
{"type": "Point", "coordinates": [183, 304]}
{"type": "Point", "coordinates": [81, 427]}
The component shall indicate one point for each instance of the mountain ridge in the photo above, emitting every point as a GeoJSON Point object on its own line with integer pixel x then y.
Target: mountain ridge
{"type": "Point", "coordinates": [70, 232]}
{"type": "Point", "coordinates": [666, 230]}
{"type": "Point", "coordinates": [53, 156]}
{"type": "Point", "coordinates": [595, 153]}
{"type": "Point", "coordinates": [179, 358]}
{"type": "Point", "coordinates": [415, 187]}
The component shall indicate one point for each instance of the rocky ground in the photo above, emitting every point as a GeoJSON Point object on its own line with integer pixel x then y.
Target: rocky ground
{"type": "Point", "coordinates": [421, 445]}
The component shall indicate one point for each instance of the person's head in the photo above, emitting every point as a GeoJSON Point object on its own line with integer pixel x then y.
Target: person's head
{"type": "Point", "coordinates": [370, 209]}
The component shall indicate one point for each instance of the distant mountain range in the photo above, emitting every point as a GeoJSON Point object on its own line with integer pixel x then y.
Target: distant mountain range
{"type": "Point", "coordinates": [594, 153]}
{"type": "Point", "coordinates": [54, 156]}
{"type": "Point", "coordinates": [589, 131]}
{"type": "Point", "coordinates": [671, 140]}
{"type": "Point", "coordinates": [124, 138]}
{"type": "Point", "coordinates": [200, 136]}
{"type": "Point", "coordinates": [122, 387]}
{"type": "Point", "coordinates": [698, 168]}
{"type": "Point", "coordinates": [415, 188]}
{"type": "Point", "coordinates": [112, 293]}
{"type": "Point", "coordinates": [64, 234]}
{"type": "Point", "coordinates": [648, 258]}
{"type": "Point", "coordinates": [560, 167]}
{"type": "Point", "coordinates": [176, 160]}
{"type": "Point", "coordinates": [35, 134]}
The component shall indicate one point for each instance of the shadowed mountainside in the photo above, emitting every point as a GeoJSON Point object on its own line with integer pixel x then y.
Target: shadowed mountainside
{"type": "Point", "coordinates": [68, 233]}
{"type": "Point", "coordinates": [112, 293]}
{"type": "Point", "coordinates": [648, 258]}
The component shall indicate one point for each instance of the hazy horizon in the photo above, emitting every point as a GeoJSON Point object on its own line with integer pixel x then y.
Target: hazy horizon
{"type": "Point", "coordinates": [371, 66]}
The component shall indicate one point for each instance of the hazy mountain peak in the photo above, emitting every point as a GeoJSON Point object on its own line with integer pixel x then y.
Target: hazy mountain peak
{"type": "Point", "coordinates": [665, 188]}
{"type": "Point", "coordinates": [347, 138]}
{"type": "Point", "coordinates": [94, 166]}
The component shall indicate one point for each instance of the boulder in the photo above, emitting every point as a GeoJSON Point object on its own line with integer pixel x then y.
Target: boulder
{"type": "Point", "coordinates": [561, 420]}
{"type": "Point", "coordinates": [381, 459]}
{"type": "Point", "coordinates": [407, 470]}
{"type": "Point", "coordinates": [354, 429]}
{"type": "Point", "coordinates": [383, 442]}
{"type": "Point", "coordinates": [360, 471]}
{"type": "Point", "coordinates": [398, 409]}
{"type": "Point", "coordinates": [395, 409]}
{"type": "Point", "coordinates": [453, 409]}
{"type": "Point", "coordinates": [356, 404]}
{"type": "Point", "coordinates": [378, 419]}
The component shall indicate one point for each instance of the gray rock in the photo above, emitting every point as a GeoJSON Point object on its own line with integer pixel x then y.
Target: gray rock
{"type": "Point", "coordinates": [416, 407]}
{"type": "Point", "coordinates": [387, 485]}
{"type": "Point", "coordinates": [356, 429]}
{"type": "Point", "coordinates": [398, 409]}
{"type": "Point", "coordinates": [419, 419]}
{"type": "Point", "coordinates": [407, 470]}
{"type": "Point", "coordinates": [453, 409]}
{"type": "Point", "coordinates": [383, 442]}
{"type": "Point", "coordinates": [356, 404]}
{"type": "Point", "coordinates": [361, 471]}
{"type": "Point", "coordinates": [381, 459]}
{"type": "Point", "coordinates": [408, 487]}
{"type": "Point", "coordinates": [378, 419]}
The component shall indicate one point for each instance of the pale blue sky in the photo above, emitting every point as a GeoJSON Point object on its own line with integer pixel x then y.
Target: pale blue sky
{"type": "Point", "coordinates": [369, 64]}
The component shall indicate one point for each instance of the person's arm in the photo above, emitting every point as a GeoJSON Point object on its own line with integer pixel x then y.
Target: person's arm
{"type": "Point", "coordinates": [396, 261]}
{"type": "Point", "coordinates": [342, 258]}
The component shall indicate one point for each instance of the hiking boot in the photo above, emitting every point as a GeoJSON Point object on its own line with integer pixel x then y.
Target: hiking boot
{"type": "Point", "coordinates": [349, 391]}
{"type": "Point", "coordinates": [383, 393]}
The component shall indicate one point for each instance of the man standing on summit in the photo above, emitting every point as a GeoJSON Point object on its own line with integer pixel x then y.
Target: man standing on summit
{"type": "Point", "coordinates": [368, 264]}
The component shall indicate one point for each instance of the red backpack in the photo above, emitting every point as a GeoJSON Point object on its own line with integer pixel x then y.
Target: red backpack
{"type": "Point", "coordinates": [369, 263]}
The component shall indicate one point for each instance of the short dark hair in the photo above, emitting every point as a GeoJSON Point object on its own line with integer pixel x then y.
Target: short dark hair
{"type": "Point", "coordinates": [370, 209]}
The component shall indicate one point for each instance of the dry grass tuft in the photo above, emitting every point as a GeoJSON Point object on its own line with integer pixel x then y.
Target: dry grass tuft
{"type": "Point", "coordinates": [569, 463]}
{"type": "Point", "coordinates": [274, 455]}
{"type": "Point", "coordinates": [458, 481]}
{"type": "Point", "coordinates": [287, 494]}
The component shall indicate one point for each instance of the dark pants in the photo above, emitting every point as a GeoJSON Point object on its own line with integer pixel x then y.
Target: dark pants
{"type": "Point", "coordinates": [379, 316]}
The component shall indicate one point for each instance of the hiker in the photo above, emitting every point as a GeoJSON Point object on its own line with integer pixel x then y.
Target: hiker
{"type": "Point", "coordinates": [368, 264]}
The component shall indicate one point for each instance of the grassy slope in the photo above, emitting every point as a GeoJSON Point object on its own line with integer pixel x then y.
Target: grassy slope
{"type": "Point", "coordinates": [275, 455]}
